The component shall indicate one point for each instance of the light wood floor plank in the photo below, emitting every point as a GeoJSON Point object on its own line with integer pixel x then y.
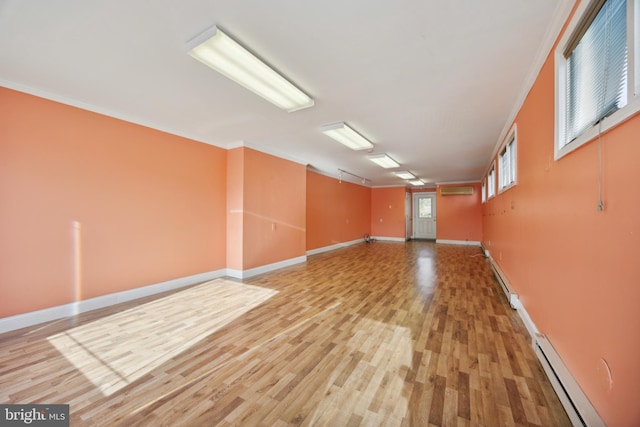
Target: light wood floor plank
{"type": "Point", "coordinates": [381, 334]}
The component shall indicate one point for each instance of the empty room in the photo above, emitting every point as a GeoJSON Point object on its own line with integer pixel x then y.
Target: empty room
{"type": "Point", "coordinates": [362, 213]}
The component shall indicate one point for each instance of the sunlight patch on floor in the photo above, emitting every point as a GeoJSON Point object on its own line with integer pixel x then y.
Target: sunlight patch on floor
{"type": "Point", "coordinates": [119, 349]}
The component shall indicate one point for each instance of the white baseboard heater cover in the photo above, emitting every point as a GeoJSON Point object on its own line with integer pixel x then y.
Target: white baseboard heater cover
{"type": "Point", "coordinates": [576, 404]}
{"type": "Point", "coordinates": [512, 297]}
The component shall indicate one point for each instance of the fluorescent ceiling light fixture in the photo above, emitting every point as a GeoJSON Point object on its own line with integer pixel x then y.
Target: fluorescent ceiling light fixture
{"type": "Point", "coordinates": [220, 52]}
{"type": "Point", "coordinates": [416, 182]}
{"type": "Point", "coordinates": [384, 161]}
{"type": "Point", "coordinates": [405, 175]}
{"type": "Point", "coordinates": [347, 136]}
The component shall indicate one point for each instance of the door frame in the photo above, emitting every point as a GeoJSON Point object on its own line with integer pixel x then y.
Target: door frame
{"type": "Point", "coordinates": [408, 216]}
{"type": "Point", "coordinates": [414, 204]}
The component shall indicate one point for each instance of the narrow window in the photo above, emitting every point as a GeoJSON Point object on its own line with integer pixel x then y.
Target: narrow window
{"type": "Point", "coordinates": [484, 190]}
{"type": "Point", "coordinates": [507, 163]}
{"type": "Point", "coordinates": [491, 182]}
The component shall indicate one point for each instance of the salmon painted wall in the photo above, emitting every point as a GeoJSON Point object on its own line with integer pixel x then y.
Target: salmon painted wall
{"type": "Point", "coordinates": [92, 205]}
{"type": "Point", "coordinates": [576, 269]}
{"type": "Point", "coordinates": [274, 211]}
{"type": "Point", "coordinates": [235, 208]}
{"type": "Point", "coordinates": [337, 212]}
{"type": "Point", "coordinates": [387, 212]}
{"type": "Point", "coordinates": [459, 217]}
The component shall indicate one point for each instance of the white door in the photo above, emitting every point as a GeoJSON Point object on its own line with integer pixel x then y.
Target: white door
{"type": "Point", "coordinates": [424, 216]}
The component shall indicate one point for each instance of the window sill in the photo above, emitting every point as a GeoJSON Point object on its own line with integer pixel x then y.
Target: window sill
{"type": "Point", "coordinates": [506, 187]}
{"type": "Point", "coordinates": [606, 124]}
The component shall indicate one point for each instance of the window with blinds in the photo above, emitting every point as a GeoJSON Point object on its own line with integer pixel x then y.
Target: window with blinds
{"type": "Point", "coordinates": [596, 77]}
{"type": "Point", "coordinates": [491, 182]}
{"type": "Point", "coordinates": [507, 161]}
{"type": "Point", "coordinates": [507, 165]}
{"type": "Point", "coordinates": [484, 190]}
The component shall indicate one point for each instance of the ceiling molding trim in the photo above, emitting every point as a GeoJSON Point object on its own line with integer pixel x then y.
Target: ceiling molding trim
{"type": "Point", "coordinates": [274, 153]}
{"type": "Point", "coordinates": [397, 186]}
{"type": "Point", "coordinates": [345, 177]}
{"type": "Point", "coordinates": [477, 181]}
{"type": "Point", "coordinates": [235, 144]}
{"type": "Point", "coordinates": [100, 110]}
{"type": "Point", "coordinates": [560, 16]}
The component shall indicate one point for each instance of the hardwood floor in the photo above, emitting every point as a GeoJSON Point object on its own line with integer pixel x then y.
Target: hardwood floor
{"type": "Point", "coordinates": [387, 334]}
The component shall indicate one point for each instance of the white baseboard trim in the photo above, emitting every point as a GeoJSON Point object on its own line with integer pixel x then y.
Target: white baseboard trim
{"type": "Point", "coordinates": [485, 250]}
{"type": "Point", "coordinates": [459, 242]}
{"type": "Point", "coordinates": [389, 239]}
{"type": "Point", "coordinates": [333, 247]}
{"type": "Point", "coordinates": [578, 407]}
{"type": "Point", "coordinates": [244, 274]}
{"type": "Point", "coordinates": [528, 323]}
{"type": "Point", "coordinates": [20, 321]}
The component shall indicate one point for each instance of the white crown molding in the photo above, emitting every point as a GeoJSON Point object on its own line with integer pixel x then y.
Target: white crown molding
{"type": "Point", "coordinates": [476, 181]}
{"type": "Point", "coordinates": [346, 177]}
{"type": "Point", "coordinates": [560, 16]}
{"type": "Point", "coordinates": [100, 110]}
{"type": "Point", "coordinates": [264, 150]}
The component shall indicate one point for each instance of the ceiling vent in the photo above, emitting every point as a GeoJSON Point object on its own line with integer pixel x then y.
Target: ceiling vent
{"type": "Point", "coordinates": [456, 191]}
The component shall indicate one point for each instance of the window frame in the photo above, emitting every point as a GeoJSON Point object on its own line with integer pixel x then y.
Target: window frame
{"type": "Point", "coordinates": [633, 79]}
{"type": "Point", "coordinates": [510, 145]}
{"type": "Point", "coordinates": [484, 190]}
{"type": "Point", "coordinates": [491, 181]}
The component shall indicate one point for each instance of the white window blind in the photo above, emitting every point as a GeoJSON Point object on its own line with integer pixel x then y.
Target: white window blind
{"type": "Point", "coordinates": [491, 183]}
{"type": "Point", "coordinates": [507, 165]}
{"type": "Point", "coordinates": [596, 69]}
{"type": "Point", "coordinates": [484, 190]}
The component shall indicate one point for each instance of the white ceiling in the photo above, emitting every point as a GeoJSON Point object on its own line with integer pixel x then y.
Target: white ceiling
{"type": "Point", "coordinates": [431, 83]}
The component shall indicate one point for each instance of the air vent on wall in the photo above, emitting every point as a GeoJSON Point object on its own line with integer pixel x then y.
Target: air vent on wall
{"type": "Point", "coordinates": [456, 191]}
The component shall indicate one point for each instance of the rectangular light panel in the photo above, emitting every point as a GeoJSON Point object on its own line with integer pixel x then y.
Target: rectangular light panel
{"type": "Point", "coordinates": [342, 133]}
{"type": "Point", "coordinates": [384, 161]}
{"type": "Point", "coordinates": [405, 175]}
{"type": "Point", "coordinates": [219, 51]}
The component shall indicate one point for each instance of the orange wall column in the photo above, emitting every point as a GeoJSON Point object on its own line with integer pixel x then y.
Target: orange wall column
{"type": "Point", "coordinates": [274, 209]}
{"type": "Point", "coordinates": [235, 208]}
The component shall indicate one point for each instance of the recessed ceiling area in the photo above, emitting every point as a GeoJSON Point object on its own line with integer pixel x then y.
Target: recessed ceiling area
{"type": "Point", "coordinates": [431, 84]}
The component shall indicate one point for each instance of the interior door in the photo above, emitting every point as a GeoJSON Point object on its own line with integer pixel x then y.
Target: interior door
{"type": "Point", "coordinates": [424, 216]}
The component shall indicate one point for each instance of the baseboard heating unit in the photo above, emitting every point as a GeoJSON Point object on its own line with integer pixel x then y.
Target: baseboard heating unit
{"type": "Point", "coordinates": [576, 404]}
{"type": "Point", "coordinates": [512, 297]}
